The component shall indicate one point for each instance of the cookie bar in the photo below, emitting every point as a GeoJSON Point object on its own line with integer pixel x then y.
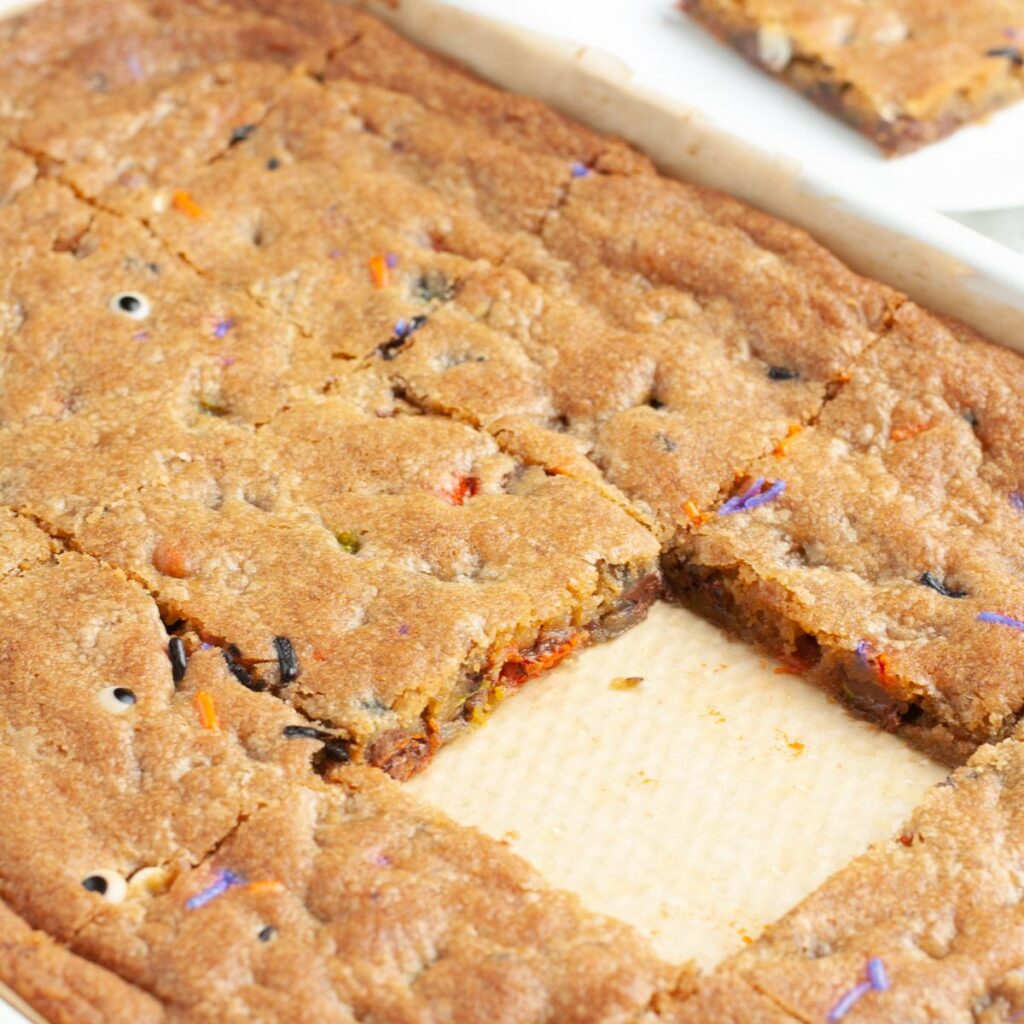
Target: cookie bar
{"type": "Point", "coordinates": [903, 72]}
{"type": "Point", "coordinates": [924, 927]}
{"type": "Point", "coordinates": [199, 860]}
{"type": "Point", "coordinates": [888, 566]}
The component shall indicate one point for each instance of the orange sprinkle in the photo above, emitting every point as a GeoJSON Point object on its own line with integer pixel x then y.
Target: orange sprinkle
{"type": "Point", "coordinates": [783, 444]}
{"type": "Point", "coordinates": [319, 655]}
{"type": "Point", "coordinates": [379, 271]}
{"type": "Point", "coordinates": [694, 514]}
{"type": "Point", "coordinates": [207, 711]}
{"type": "Point", "coordinates": [520, 667]}
{"type": "Point", "coordinates": [466, 487]}
{"type": "Point", "coordinates": [902, 433]}
{"type": "Point", "coordinates": [787, 670]}
{"type": "Point", "coordinates": [265, 885]}
{"type": "Point", "coordinates": [843, 378]}
{"type": "Point", "coordinates": [884, 674]}
{"type": "Point", "coordinates": [182, 201]}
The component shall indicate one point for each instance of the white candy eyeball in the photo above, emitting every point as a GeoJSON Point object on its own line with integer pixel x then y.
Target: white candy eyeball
{"type": "Point", "coordinates": [108, 884]}
{"type": "Point", "coordinates": [116, 699]}
{"type": "Point", "coordinates": [131, 304]}
{"type": "Point", "coordinates": [151, 881]}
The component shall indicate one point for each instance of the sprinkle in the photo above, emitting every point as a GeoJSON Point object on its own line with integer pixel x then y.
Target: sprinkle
{"type": "Point", "coordinates": [782, 373]}
{"type": "Point", "coordinates": [847, 1002]}
{"type": "Point", "coordinates": [335, 748]}
{"type": "Point", "coordinates": [578, 170]}
{"type": "Point", "coordinates": [1000, 620]}
{"type": "Point", "coordinates": [179, 658]}
{"type": "Point", "coordinates": [241, 133]}
{"type": "Point", "coordinates": [273, 163]}
{"type": "Point", "coordinates": [1017, 500]}
{"type": "Point", "coordinates": [379, 272]}
{"type": "Point", "coordinates": [265, 885]}
{"type": "Point", "coordinates": [135, 68]}
{"type": "Point", "coordinates": [206, 646]}
{"type": "Point", "coordinates": [266, 934]}
{"type": "Point", "coordinates": [207, 711]}
{"type": "Point", "coordinates": [863, 647]}
{"type": "Point", "coordinates": [403, 629]}
{"type": "Point", "coordinates": [466, 487]}
{"type": "Point", "coordinates": [239, 671]}
{"type": "Point", "coordinates": [391, 259]}
{"type": "Point", "coordinates": [182, 201]}
{"type": "Point", "coordinates": [306, 732]}
{"type": "Point", "coordinates": [404, 329]}
{"type": "Point", "coordinates": [334, 254]}
{"type": "Point", "coordinates": [753, 497]}
{"type": "Point", "coordinates": [625, 682]}
{"type": "Point", "coordinates": [783, 444]}
{"type": "Point", "coordinates": [349, 541]}
{"type": "Point", "coordinates": [939, 586]}
{"type": "Point", "coordinates": [902, 433]}
{"type": "Point", "coordinates": [140, 336]}
{"type": "Point", "coordinates": [225, 881]}
{"type": "Point", "coordinates": [877, 974]}
{"type": "Point", "coordinates": [1011, 53]}
{"type": "Point", "coordinates": [694, 514]}
{"type": "Point", "coordinates": [287, 661]}
{"type": "Point", "coordinates": [222, 327]}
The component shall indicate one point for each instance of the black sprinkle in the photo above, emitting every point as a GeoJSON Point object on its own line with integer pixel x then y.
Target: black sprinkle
{"type": "Point", "coordinates": [273, 163]}
{"type": "Point", "coordinates": [287, 660]}
{"type": "Point", "coordinates": [95, 883]}
{"type": "Point", "coordinates": [241, 133]}
{"type": "Point", "coordinates": [124, 696]}
{"type": "Point", "coordinates": [1011, 53]}
{"type": "Point", "coordinates": [240, 672]}
{"type": "Point", "coordinates": [931, 580]}
{"type": "Point", "coordinates": [266, 934]}
{"type": "Point", "coordinates": [972, 418]}
{"type": "Point", "coordinates": [390, 348]}
{"type": "Point", "coordinates": [179, 658]}
{"type": "Point", "coordinates": [782, 373]}
{"type": "Point", "coordinates": [307, 732]}
{"type": "Point", "coordinates": [656, 403]}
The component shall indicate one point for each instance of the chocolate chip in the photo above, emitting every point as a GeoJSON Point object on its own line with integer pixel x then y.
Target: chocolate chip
{"type": "Point", "coordinates": [782, 373]}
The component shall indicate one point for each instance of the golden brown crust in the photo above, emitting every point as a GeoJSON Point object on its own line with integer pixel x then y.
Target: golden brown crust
{"type": "Point", "coordinates": [904, 72]}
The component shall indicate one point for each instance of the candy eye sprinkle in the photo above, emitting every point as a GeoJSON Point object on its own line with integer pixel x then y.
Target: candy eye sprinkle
{"type": "Point", "coordinates": [116, 699]}
{"type": "Point", "coordinates": [131, 304]}
{"type": "Point", "coordinates": [267, 933]}
{"type": "Point", "coordinates": [107, 884]}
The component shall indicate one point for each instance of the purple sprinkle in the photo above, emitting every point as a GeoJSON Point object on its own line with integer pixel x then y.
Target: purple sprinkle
{"type": "Point", "coordinates": [1017, 500]}
{"type": "Point", "coordinates": [847, 1002]}
{"type": "Point", "coordinates": [135, 68]}
{"type": "Point", "coordinates": [335, 254]}
{"type": "Point", "coordinates": [877, 974]}
{"type": "Point", "coordinates": [140, 336]}
{"type": "Point", "coordinates": [391, 260]}
{"type": "Point", "coordinates": [752, 497]}
{"type": "Point", "coordinates": [862, 651]}
{"type": "Point", "coordinates": [1013, 33]}
{"type": "Point", "coordinates": [579, 170]}
{"type": "Point", "coordinates": [222, 328]}
{"type": "Point", "coordinates": [204, 646]}
{"type": "Point", "coordinates": [760, 499]}
{"type": "Point", "coordinates": [1000, 620]}
{"type": "Point", "coordinates": [227, 361]}
{"type": "Point", "coordinates": [403, 629]}
{"type": "Point", "coordinates": [401, 328]}
{"type": "Point", "coordinates": [225, 880]}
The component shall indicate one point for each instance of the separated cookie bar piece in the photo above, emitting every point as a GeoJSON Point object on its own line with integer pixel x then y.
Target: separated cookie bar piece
{"type": "Point", "coordinates": [880, 551]}
{"type": "Point", "coordinates": [164, 823]}
{"type": "Point", "coordinates": [903, 72]}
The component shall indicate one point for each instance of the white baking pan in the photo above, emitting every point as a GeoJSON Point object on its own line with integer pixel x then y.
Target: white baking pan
{"type": "Point", "coordinates": [712, 796]}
